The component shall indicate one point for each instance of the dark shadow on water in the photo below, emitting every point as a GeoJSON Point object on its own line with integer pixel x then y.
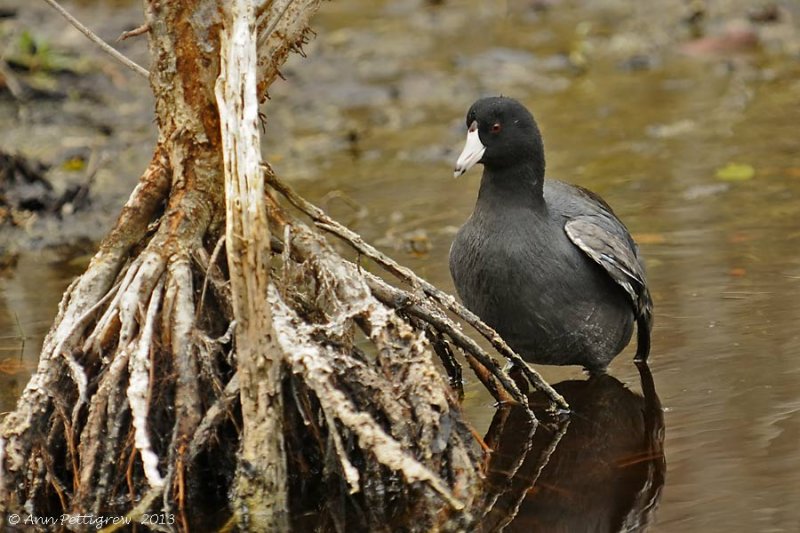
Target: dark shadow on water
{"type": "Point", "coordinates": [599, 469]}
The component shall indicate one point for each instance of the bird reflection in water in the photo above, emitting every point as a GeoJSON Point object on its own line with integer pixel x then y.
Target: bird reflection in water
{"type": "Point", "coordinates": [600, 468]}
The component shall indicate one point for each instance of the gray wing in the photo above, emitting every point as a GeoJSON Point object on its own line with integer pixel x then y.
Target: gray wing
{"type": "Point", "coordinates": [619, 258]}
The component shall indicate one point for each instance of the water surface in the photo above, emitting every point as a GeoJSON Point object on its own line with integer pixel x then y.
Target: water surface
{"type": "Point", "coordinates": [370, 125]}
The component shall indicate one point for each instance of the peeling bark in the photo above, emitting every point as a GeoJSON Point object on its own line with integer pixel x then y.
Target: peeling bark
{"type": "Point", "coordinates": [262, 493]}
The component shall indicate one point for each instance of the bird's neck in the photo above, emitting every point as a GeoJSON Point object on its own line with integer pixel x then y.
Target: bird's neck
{"type": "Point", "coordinates": [520, 185]}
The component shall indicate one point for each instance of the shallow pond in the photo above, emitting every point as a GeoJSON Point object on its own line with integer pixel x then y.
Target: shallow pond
{"type": "Point", "coordinates": [697, 152]}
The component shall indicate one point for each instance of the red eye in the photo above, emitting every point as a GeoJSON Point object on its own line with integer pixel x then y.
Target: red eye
{"type": "Point", "coordinates": [496, 127]}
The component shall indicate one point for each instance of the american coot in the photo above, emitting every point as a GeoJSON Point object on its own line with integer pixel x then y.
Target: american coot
{"type": "Point", "coordinates": [548, 265]}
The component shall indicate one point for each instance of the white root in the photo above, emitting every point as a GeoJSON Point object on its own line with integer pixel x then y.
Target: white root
{"type": "Point", "coordinates": [211, 264]}
{"type": "Point", "coordinates": [90, 437]}
{"type": "Point", "coordinates": [350, 472]}
{"type": "Point", "coordinates": [112, 311]}
{"type": "Point", "coordinates": [85, 294]}
{"type": "Point", "coordinates": [139, 367]}
{"type": "Point", "coordinates": [180, 314]}
{"type": "Point", "coordinates": [130, 311]}
{"type": "Point", "coordinates": [182, 321]}
{"type": "Point", "coordinates": [67, 337]}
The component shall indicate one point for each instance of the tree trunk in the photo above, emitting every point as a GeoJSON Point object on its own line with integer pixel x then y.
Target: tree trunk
{"type": "Point", "coordinates": [172, 378]}
{"type": "Point", "coordinates": [262, 485]}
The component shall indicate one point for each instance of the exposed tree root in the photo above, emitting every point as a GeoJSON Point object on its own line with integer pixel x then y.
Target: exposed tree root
{"type": "Point", "coordinates": [219, 346]}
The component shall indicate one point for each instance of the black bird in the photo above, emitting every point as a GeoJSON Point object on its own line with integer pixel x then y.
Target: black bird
{"type": "Point", "coordinates": [548, 265]}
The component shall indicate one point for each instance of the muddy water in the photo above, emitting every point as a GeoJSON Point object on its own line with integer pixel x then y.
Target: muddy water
{"type": "Point", "coordinates": [697, 153]}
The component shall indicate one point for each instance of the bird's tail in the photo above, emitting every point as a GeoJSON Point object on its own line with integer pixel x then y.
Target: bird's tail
{"type": "Point", "coordinates": [644, 323]}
